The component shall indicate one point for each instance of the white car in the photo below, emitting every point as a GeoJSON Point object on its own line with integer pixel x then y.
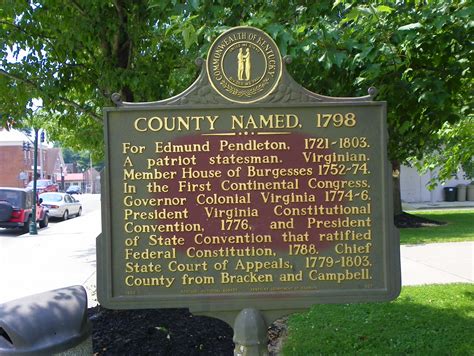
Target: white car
{"type": "Point", "coordinates": [61, 205]}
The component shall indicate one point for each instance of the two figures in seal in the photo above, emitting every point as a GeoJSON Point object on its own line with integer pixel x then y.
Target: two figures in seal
{"type": "Point", "coordinates": [243, 65]}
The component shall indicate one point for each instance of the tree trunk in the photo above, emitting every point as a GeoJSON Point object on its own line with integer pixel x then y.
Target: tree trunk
{"type": "Point", "coordinates": [397, 198]}
{"type": "Point", "coordinates": [122, 47]}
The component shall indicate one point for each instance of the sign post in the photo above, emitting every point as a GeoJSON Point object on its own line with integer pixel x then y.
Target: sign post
{"type": "Point", "coordinates": [32, 224]}
{"type": "Point", "coordinates": [247, 194]}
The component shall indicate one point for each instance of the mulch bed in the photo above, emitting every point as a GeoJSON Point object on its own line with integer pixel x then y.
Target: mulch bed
{"type": "Point", "coordinates": [405, 220]}
{"type": "Point", "coordinates": [158, 332]}
{"type": "Point", "coordinates": [167, 332]}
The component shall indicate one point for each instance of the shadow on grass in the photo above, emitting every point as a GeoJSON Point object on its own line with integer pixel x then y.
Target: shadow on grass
{"type": "Point", "coordinates": [386, 328]}
{"type": "Point", "coordinates": [458, 227]}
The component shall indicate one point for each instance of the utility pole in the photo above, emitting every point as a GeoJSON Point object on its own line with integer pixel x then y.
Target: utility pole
{"type": "Point", "coordinates": [62, 178]}
{"type": "Point", "coordinates": [33, 229]}
{"type": "Point", "coordinates": [41, 155]}
{"type": "Point", "coordinates": [26, 162]}
{"type": "Point", "coordinates": [90, 173]}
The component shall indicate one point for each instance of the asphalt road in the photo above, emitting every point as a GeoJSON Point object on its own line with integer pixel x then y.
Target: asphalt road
{"type": "Point", "coordinates": [60, 255]}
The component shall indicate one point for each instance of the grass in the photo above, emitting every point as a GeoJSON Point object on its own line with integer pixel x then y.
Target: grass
{"type": "Point", "coordinates": [459, 227]}
{"type": "Point", "coordinates": [424, 320]}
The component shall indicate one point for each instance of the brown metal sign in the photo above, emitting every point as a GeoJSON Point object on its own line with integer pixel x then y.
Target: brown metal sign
{"type": "Point", "coordinates": [221, 199]}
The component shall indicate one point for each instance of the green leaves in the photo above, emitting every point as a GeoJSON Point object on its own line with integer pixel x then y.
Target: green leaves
{"type": "Point", "coordinates": [184, 25]}
{"type": "Point", "coordinates": [456, 143]}
{"type": "Point", "coordinates": [74, 55]}
{"type": "Point", "coordinates": [366, 12]}
{"type": "Point", "coordinates": [411, 26]}
{"type": "Point", "coordinates": [384, 8]}
{"type": "Point", "coordinates": [412, 55]}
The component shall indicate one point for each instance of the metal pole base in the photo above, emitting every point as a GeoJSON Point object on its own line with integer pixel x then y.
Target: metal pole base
{"type": "Point", "coordinates": [250, 334]}
{"type": "Point", "coordinates": [33, 228]}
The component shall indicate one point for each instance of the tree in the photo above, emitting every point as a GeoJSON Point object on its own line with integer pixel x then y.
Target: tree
{"type": "Point", "coordinates": [81, 159]}
{"type": "Point", "coordinates": [457, 150]}
{"type": "Point", "coordinates": [417, 55]}
{"type": "Point", "coordinates": [73, 55]}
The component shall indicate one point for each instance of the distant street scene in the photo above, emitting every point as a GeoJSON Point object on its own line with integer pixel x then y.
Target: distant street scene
{"type": "Point", "coordinates": [61, 255]}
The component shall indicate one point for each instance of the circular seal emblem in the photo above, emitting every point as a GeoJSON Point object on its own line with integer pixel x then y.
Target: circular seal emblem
{"type": "Point", "coordinates": [244, 65]}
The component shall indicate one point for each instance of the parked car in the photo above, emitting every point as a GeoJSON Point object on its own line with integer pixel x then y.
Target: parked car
{"type": "Point", "coordinates": [74, 189]}
{"type": "Point", "coordinates": [44, 185]}
{"type": "Point", "coordinates": [16, 209]}
{"type": "Point", "coordinates": [61, 205]}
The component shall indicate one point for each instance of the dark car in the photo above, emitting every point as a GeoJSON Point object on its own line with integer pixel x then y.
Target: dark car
{"type": "Point", "coordinates": [74, 189]}
{"type": "Point", "coordinates": [16, 209]}
{"type": "Point", "coordinates": [43, 186]}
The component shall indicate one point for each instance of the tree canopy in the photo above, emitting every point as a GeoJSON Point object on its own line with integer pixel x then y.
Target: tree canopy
{"type": "Point", "coordinates": [74, 54]}
{"type": "Point", "coordinates": [457, 147]}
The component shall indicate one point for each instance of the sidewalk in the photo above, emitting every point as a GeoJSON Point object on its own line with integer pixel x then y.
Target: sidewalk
{"type": "Point", "coordinates": [64, 254]}
{"type": "Point", "coordinates": [61, 255]}
{"type": "Point", "coordinates": [438, 205]}
{"type": "Point", "coordinates": [447, 262]}
{"type": "Point", "coordinates": [438, 262]}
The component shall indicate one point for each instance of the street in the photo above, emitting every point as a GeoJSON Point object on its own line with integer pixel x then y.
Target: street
{"type": "Point", "coordinates": [60, 253]}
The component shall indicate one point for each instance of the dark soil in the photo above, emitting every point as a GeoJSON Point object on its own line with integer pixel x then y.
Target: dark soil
{"type": "Point", "coordinates": [158, 332]}
{"type": "Point", "coordinates": [176, 332]}
{"type": "Point", "coordinates": [170, 332]}
{"type": "Point", "coordinates": [405, 220]}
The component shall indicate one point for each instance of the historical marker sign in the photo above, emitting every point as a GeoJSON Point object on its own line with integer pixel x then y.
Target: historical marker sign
{"type": "Point", "coordinates": [246, 191]}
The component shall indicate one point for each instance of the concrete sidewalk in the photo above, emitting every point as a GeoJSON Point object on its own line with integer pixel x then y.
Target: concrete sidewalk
{"type": "Point", "coordinates": [437, 263]}
{"type": "Point", "coordinates": [64, 254]}
{"type": "Point", "coordinates": [61, 255]}
{"type": "Point", "coordinates": [438, 205]}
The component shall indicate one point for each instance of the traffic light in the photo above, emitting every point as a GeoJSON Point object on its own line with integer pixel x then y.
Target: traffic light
{"type": "Point", "coordinates": [42, 136]}
{"type": "Point", "coordinates": [26, 146]}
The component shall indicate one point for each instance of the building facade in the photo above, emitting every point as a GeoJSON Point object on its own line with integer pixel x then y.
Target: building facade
{"type": "Point", "coordinates": [413, 186]}
{"type": "Point", "coordinates": [17, 159]}
{"type": "Point", "coordinates": [89, 181]}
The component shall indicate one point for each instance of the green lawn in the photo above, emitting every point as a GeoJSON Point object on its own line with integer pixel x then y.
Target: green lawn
{"type": "Point", "coordinates": [426, 320]}
{"type": "Point", "coordinates": [459, 227]}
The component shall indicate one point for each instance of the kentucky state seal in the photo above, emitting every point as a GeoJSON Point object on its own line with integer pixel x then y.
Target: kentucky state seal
{"type": "Point", "coordinates": [244, 65]}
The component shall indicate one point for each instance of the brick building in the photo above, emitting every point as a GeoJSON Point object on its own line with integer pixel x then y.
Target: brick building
{"type": "Point", "coordinates": [16, 164]}
{"type": "Point", "coordinates": [89, 181]}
